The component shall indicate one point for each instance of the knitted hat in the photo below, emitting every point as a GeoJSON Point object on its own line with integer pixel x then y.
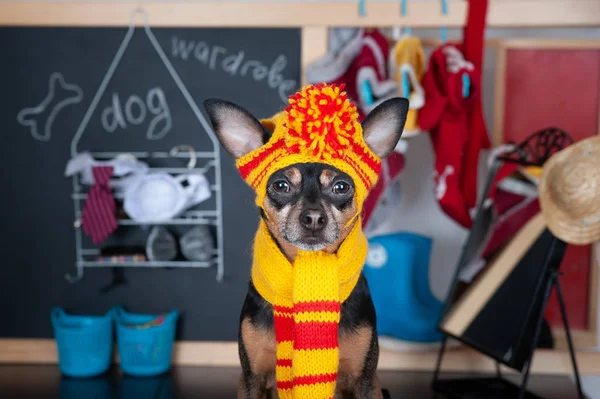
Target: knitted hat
{"type": "Point", "coordinates": [570, 191]}
{"type": "Point", "coordinates": [320, 125]}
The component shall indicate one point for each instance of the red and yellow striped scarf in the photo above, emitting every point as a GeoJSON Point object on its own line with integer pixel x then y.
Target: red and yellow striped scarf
{"type": "Point", "coordinates": [306, 298]}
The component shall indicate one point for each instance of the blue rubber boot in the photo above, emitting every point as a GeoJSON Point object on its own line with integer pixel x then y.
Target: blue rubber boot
{"type": "Point", "coordinates": [397, 270]}
{"type": "Point", "coordinates": [423, 247]}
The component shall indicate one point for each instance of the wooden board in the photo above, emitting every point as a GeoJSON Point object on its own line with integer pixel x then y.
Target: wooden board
{"type": "Point", "coordinates": [225, 354]}
{"type": "Point", "coordinates": [420, 14]}
{"type": "Point", "coordinates": [552, 83]}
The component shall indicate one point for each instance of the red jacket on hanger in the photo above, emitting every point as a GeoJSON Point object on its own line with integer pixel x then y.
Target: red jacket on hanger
{"type": "Point", "coordinates": [456, 125]}
{"type": "Point", "coordinates": [445, 117]}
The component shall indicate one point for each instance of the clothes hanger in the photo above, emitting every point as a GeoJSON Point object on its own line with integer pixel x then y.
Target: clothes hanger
{"type": "Point", "coordinates": [466, 81]}
{"type": "Point", "coordinates": [174, 152]}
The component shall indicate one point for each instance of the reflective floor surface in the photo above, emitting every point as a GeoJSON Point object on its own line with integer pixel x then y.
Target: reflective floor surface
{"type": "Point", "coordinates": [208, 383]}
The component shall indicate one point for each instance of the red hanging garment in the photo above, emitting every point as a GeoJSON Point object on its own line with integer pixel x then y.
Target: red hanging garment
{"type": "Point", "coordinates": [98, 217]}
{"type": "Point", "coordinates": [456, 125]}
{"type": "Point", "coordinates": [473, 45]}
{"type": "Point", "coordinates": [445, 117]}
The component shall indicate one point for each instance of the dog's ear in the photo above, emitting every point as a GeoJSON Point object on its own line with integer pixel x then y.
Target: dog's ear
{"type": "Point", "coordinates": [239, 132]}
{"type": "Point", "coordinates": [383, 126]}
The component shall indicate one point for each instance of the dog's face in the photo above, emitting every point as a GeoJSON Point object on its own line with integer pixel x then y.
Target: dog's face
{"type": "Point", "coordinates": [309, 206]}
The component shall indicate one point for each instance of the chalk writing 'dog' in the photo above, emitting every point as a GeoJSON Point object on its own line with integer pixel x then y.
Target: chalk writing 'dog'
{"type": "Point", "coordinates": [135, 111]}
{"type": "Point", "coordinates": [236, 64]}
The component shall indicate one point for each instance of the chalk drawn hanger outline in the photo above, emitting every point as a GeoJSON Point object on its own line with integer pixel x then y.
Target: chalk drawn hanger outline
{"type": "Point", "coordinates": [115, 63]}
{"type": "Point", "coordinates": [194, 107]}
{"type": "Point", "coordinates": [25, 113]}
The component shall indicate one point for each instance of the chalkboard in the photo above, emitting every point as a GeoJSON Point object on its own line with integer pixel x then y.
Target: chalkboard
{"type": "Point", "coordinates": [257, 68]}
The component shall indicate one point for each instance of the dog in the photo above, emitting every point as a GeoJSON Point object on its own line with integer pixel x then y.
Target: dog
{"type": "Point", "coordinates": [310, 207]}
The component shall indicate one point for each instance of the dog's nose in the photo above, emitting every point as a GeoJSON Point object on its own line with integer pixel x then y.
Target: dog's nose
{"type": "Point", "coordinates": [313, 219]}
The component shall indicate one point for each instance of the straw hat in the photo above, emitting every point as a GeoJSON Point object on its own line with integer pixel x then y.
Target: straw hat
{"type": "Point", "coordinates": [569, 192]}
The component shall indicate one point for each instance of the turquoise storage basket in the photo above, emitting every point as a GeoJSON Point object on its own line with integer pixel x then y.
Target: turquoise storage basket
{"type": "Point", "coordinates": [84, 343]}
{"type": "Point", "coordinates": [144, 351]}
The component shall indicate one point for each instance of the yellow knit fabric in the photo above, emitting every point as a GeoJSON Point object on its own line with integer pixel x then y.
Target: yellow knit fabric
{"type": "Point", "coordinates": [408, 52]}
{"type": "Point", "coordinates": [273, 274]}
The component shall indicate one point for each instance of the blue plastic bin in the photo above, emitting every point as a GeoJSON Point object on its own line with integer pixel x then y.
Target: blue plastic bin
{"type": "Point", "coordinates": [145, 351]}
{"type": "Point", "coordinates": [84, 343]}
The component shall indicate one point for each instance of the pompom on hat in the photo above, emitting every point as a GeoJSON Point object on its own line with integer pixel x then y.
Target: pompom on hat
{"type": "Point", "coordinates": [569, 192]}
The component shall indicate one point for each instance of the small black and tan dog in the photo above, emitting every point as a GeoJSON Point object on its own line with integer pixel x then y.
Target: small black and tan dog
{"type": "Point", "coordinates": [311, 205]}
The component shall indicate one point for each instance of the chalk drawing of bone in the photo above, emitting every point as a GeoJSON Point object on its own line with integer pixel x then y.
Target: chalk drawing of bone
{"type": "Point", "coordinates": [60, 94]}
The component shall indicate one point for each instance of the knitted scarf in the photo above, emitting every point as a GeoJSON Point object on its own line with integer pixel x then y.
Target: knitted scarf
{"type": "Point", "coordinates": [306, 298]}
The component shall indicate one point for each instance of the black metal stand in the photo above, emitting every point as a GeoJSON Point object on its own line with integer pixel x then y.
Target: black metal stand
{"type": "Point", "coordinates": [490, 387]}
{"type": "Point", "coordinates": [535, 150]}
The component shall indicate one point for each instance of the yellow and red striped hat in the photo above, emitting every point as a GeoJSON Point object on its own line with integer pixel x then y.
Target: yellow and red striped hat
{"type": "Point", "coordinates": [320, 125]}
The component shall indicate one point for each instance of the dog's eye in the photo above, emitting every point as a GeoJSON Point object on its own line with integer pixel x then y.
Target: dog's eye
{"type": "Point", "coordinates": [281, 186]}
{"type": "Point", "coordinates": [341, 187]}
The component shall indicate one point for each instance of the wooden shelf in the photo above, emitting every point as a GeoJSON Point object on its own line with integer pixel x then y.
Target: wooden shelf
{"type": "Point", "coordinates": [225, 354]}
{"type": "Point", "coordinates": [420, 14]}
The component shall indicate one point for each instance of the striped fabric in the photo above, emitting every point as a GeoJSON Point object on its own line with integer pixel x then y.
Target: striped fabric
{"type": "Point", "coordinates": [98, 219]}
{"type": "Point", "coordinates": [319, 125]}
{"type": "Point", "coordinates": [306, 298]}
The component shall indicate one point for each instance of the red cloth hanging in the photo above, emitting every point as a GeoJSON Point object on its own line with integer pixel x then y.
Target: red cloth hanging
{"type": "Point", "coordinates": [473, 45]}
{"type": "Point", "coordinates": [445, 117]}
{"type": "Point", "coordinates": [456, 124]}
{"type": "Point", "coordinates": [98, 217]}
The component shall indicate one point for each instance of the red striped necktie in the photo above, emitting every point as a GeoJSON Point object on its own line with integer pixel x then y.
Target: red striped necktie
{"type": "Point", "coordinates": [98, 219]}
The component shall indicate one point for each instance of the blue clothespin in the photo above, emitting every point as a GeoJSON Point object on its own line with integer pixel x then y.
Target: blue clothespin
{"type": "Point", "coordinates": [403, 11]}
{"type": "Point", "coordinates": [405, 85]}
{"type": "Point", "coordinates": [367, 93]}
{"type": "Point", "coordinates": [466, 85]}
{"type": "Point", "coordinates": [361, 8]}
{"type": "Point", "coordinates": [443, 31]}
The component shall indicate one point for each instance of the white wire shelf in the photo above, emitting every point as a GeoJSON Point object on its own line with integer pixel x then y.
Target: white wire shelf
{"type": "Point", "coordinates": [156, 155]}
{"type": "Point", "coordinates": [211, 164]}
{"type": "Point", "coordinates": [171, 222]}
{"type": "Point", "coordinates": [120, 196]}
{"type": "Point", "coordinates": [187, 171]}
{"type": "Point", "coordinates": [189, 218]}
{"type": "Point", "coordinates": [195, 264]}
